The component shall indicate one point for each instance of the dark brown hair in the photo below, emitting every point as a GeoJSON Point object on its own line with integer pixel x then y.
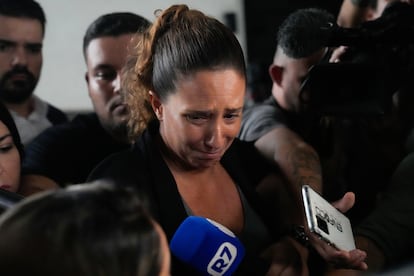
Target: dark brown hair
{"type": "Point", "coordinates": [180, 42]}
{"type": "Point", "coordinates": [86, 229]}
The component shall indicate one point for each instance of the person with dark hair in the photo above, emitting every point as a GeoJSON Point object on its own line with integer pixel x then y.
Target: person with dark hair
{"type": "Point", "coordinates": [22, 29]}
{"type": "Point", "coordinates": [114, 24]}
{"type": "Point", "coordinates": [275, 126]}
{"type": "Point", "coordinates": [349, 151]}
{"type": "Point", "coordinates": [11, 152]}
{"type": "Point", "coordinates": [11, 156]}
{"type": "Point", "coordinates": [65, 154]}
{"type": "Point", "coordinates": [86, 229]}
{"type": "Point", "coordinates": [190, 73]}
{"type": "Point", "coordinates": [282, 128]}
{"type": "Point", "coordinates": [332, 153]}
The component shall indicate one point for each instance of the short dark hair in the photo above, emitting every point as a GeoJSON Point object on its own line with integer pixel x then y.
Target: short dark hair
{"type": "Point", "coordinates": [23, 9]}
{"type": "Point", "coordinates": [180, 43]}
{"type": "Point", "coordinates": [86, 229]}
{"type": "Point", "coordinates": [114, 24]}
{"type": "Point", "coordinates": [303, 32]}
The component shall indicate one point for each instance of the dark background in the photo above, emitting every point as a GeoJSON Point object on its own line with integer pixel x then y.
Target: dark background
{"type": "Point", "coordinates": [263, 18]}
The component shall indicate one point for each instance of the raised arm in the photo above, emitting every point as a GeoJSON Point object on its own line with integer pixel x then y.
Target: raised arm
{"type": "Point", "coordinates": [298, 161]}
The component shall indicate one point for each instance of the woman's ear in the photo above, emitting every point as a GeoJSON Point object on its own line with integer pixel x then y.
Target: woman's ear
{"type": "Point", "coordinates": [156, 104]}
{"type": "Point", "coordinates": [276, 73]}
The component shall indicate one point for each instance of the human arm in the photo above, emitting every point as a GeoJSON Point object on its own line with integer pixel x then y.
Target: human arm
{"type": "Point", "coordinates": [375, 261]}
{"type": "Point", "coordinates": [298, 161]}
{"type": "Point", "coordinates": [293, 257]}
{"type": "Point", "coordinates": [354, 259]}
{"type": "Point", "coordinates": [285, 256]}
{"type": "Point", "coordinates": [289, 257]}
{"type": "Point", "coordinates": [352, 13]}
{"type": "Point", "coordinates": [300, 165]}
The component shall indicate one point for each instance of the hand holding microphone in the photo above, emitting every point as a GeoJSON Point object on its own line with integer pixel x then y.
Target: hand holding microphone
{"type": "Point", "coordinates": [208, 246]}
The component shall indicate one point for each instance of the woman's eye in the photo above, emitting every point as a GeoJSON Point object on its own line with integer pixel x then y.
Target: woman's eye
{"type": "Point", "coordinates": [196, 117]}
{"type": "Point", "coordinates": [6, 148]}
{"type": "Point", "coordinates": [232, 116]}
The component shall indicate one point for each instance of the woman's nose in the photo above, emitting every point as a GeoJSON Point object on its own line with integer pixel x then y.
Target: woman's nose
{"type": "Point", "coordinates": [215, 137]}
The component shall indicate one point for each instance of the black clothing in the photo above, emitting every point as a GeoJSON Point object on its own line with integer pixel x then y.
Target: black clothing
{"type": "Point", "coordinates": [66, 153]}
{"type": "Point", "coordinates": [144, 168]}
{"type": "Point", "coordinates": [391, 225]}
{"type": "Point", "coordinates": [56, 116]}
{"type": "Point", "coordinates": [357, 154]}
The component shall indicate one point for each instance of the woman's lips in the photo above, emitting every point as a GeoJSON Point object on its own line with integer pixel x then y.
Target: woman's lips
{"type": "Point", "coordinates": [211, 155]}
{"type": "Point", "coordinates": [5, 187]}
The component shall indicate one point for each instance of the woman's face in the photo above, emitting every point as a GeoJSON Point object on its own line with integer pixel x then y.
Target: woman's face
{"type": "Point", "coordinates": [201, 119]}
{"type": "Point", "coordinates": [9, 161]}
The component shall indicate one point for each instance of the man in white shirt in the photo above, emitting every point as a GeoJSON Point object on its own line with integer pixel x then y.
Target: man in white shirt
{"type": "Point", "coordinates": [22, 27]}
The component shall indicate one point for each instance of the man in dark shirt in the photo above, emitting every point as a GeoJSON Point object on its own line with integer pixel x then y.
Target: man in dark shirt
{"type": "Point", "coordinates": [65, 154]}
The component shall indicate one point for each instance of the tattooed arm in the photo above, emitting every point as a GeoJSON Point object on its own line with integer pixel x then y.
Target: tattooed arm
{"type": "Point", "coordinates": [300, 164]}
{"type": "Point", "coordinates": [298, 160]}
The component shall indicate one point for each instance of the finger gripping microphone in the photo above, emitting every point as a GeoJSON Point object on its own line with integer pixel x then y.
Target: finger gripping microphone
{"type": "Point", "coordinates": [208, 246]}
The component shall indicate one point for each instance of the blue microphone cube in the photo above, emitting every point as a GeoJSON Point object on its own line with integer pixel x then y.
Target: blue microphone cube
{"type": "Point", "coordinates": [208, 246]}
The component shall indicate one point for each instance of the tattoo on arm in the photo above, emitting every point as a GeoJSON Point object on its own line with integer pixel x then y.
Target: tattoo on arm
{"type": "Point", "coordinates": [305, 167]}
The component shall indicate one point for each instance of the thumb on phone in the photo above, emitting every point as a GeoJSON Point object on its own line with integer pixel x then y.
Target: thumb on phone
{"type": "Point", "coordinates": [345, 203]}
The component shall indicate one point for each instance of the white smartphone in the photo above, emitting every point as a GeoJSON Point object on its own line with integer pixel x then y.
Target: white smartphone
{"type": "Point", "coordinates": [326, 221]}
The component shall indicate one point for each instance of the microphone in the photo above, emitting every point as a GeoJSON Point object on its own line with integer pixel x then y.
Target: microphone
{"type": "Point", "coordinates": [207, 246]}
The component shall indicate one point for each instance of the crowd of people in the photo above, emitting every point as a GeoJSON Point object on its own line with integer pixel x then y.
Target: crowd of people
{"type": "Point", "coordinates": [171, 137]}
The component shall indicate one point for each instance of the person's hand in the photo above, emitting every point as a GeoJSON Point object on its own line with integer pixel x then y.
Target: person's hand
{"type": "Point", "coordinates": [345, 203]}
{"type": "Point", "coordinates": [353, 259]}
{"type": "Point", "coordinates": [287, 257]}
{"type": "Point", "coordinates": [337, 54]}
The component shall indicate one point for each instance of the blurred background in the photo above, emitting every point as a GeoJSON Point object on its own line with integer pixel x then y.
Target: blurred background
{"type": "Point", "coordinates": [255, 23]}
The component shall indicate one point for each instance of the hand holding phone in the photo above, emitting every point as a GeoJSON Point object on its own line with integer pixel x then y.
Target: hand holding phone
{"type": "Point", "coordinates": [326, 221]}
